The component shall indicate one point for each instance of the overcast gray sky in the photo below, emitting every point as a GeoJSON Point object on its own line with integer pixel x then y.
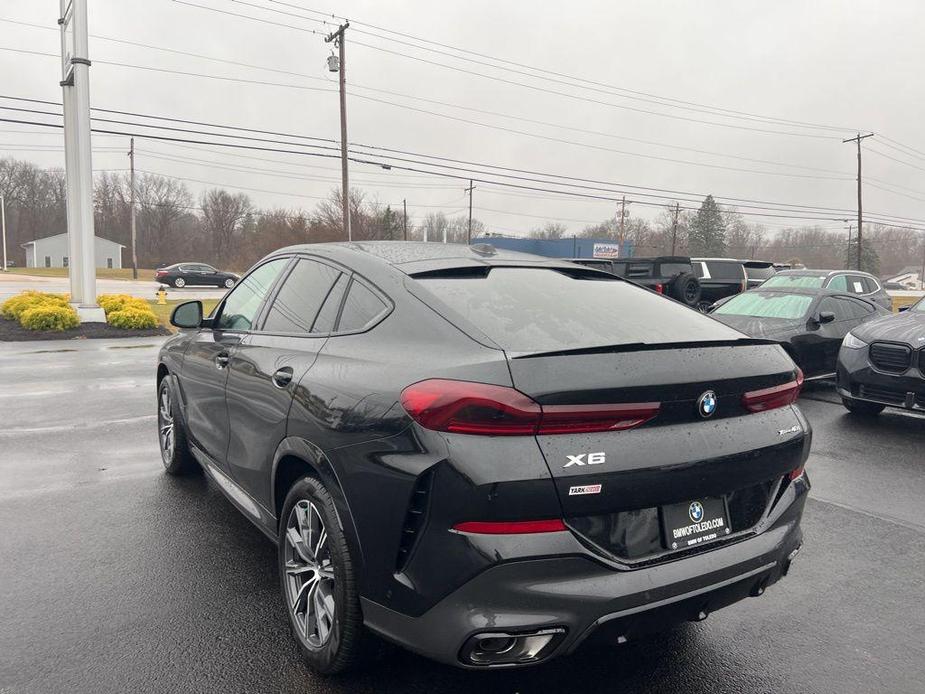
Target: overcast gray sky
{"type": "Point", "coordinates": [829, 62]}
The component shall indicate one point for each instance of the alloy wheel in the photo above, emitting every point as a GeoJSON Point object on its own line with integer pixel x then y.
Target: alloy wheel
{"type": "Point", "coordinates": [309, 574]}
{"type": "Point", "coordinates": [165, 423]}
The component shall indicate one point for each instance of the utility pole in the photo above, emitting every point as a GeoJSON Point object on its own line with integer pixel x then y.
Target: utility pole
{"type": "Point", "coordinates": [75, 84]}
{"type": "Point", "coordinates": [858, 139]}
{"type": "Point", "coordinates": [338, 38]}
{"type": "Point", "coordinates": [622, 220]}
{"type": "Point", "coordinates": [469, 230]}
{"type": "Point", "coordinates": [404, 218]}
{"type": "Point", "coordinates": [131, 161]}
{"type": "Point", "coordinates": [674, 227]}
{"type": "Point", "coordinates": [3, 225]}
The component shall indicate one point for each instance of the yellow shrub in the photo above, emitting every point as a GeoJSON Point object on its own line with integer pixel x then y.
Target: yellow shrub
{"type": "Point", "coordinates": [14, 307]}
{"type": "Point", "coordinates": [49, 316]}
{"type": "Point", "coordinates": [132, 318]}
{"type": "Point", "coordinates": [117, 302]}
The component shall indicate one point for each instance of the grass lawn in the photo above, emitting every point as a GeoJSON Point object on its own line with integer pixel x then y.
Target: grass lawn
{"type": "Point", "coordinates": [163, 311]}
{"type": "Point", "coordinates": [101, 273]}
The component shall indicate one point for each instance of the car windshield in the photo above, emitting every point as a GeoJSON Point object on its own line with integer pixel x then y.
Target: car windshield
{"type": "Point", "coordinates": [533, 310]}
{"type": "Point", "coordinates": [762, 305]}
{"type": "Point", "coordinates": [919, 307]}
{"type": "Point", "coordinates": [807, 281]}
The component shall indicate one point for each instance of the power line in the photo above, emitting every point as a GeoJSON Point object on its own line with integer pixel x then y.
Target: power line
{"type": "Point", "coordinates": [467, 170]}
{"type": "Point", "coordinates": [571, 77]}
{"type": "Point", "coordinates": [521, 84]}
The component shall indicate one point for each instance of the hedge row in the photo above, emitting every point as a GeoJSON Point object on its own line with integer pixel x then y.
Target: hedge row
{"type": "Point", "coordinates": [41, 311]}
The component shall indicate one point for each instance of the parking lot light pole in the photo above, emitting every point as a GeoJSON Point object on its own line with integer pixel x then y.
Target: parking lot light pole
{"type": "Point", "coordinates": [75, 84]}
{"type": "Point", "coordinates": [3, 225]}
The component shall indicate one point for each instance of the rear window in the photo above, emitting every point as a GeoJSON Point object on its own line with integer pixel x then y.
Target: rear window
{"type": "Point", "coordinates": [761, 305]}
{"type": "Point", "coordinates": [725, 271]}
{"type": "Point", "coordinates": [544, 310]}
{"type": "Point", "coordinates": [672, 269]}
{"type": "Point", "coordinates": [805, 281]}
{"type": "Point", "coordinates": [760, 273]}
{"type": "Point", "coordinates": [638, 270]}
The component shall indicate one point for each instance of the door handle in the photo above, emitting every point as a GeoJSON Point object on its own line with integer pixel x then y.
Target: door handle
{"type": "Point", "coordinates": [221, 360]}
{"type": "Point", "coordinates": [283, 377]}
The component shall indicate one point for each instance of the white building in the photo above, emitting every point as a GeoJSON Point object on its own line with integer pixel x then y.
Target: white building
{"type": "Point", "coordinates": [52, 251]}
{"type": "Point", "coordinates": [910, 277]}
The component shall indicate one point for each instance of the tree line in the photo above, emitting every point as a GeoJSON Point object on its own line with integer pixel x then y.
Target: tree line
{"type": "Point", "coordinates": [717, 231]}
{"type": "Point", "coordinates": [227, 229]}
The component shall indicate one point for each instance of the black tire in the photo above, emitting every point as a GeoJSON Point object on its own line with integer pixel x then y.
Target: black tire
{"type": "Point", "coordinates": [862, 407]}
{"type": "Point", "coordinates": [176, 455]}
{"type": "Point", "coordinates": [179, 282]}
{"type": "Point", "coordinates": [347, 644]}
{"type": "Point", "coordinates": [685, 288]}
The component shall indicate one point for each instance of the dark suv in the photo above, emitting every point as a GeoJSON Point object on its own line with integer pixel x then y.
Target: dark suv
{"type": "Point", "coordinates": [668, 275]}
{"type": "Point", "coordinates": [719, 278]}
{"type": "Point", "coordinates": [461, 450]}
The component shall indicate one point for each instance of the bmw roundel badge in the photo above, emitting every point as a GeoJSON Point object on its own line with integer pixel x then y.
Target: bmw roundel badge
{"type": "Point", "coordinates": [706, 404]}
{"type": "Point", "coordinates": [695, 511]}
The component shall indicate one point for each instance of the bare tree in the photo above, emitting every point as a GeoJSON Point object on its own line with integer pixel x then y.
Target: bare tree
{"type": "Point", "coordinates": [550, 230]}
{"type": "Point", "coordinates": [222, 216]}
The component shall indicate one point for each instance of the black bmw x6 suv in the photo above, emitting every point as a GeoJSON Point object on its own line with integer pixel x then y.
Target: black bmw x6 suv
{"type": "Point", "coordinates": [486, 457]}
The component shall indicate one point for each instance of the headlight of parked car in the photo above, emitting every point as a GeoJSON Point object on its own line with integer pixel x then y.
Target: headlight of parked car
{"type": "Point", "coordinates": [851, 341]}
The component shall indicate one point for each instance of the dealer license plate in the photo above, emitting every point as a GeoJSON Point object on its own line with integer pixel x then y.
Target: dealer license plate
{"type": "Point", "coordinates": [694, 522]}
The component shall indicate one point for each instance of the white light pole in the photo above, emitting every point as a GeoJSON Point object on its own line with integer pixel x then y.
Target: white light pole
{"type": "Point", "coordinates": [3, 225]}
{"type": "Point", "coordinates": [75, 84]}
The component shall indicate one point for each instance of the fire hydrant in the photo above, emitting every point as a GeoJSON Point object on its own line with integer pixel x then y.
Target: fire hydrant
{"type": "Point", "coordinates": [162, 295]}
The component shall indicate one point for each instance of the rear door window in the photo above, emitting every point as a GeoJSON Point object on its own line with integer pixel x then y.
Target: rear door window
{"type": "Point", "coordinates": [721, 270]}
{"type": "Point", "coordinates": [672, 269]}
{"type": "Point", "coordinates": [327, 316]}
{"type": "Point", "coordinates": [361, 307]}
{"type": "Point", "coordinates": [543, 309]}
{"type": "Point", "coordinates": [241, 306]}
{"type": "Point", "coordinates": [300, 298]}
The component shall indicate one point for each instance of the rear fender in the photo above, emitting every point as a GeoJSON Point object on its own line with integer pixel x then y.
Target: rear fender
{"type": "Point", "coordinates": [317, 465]}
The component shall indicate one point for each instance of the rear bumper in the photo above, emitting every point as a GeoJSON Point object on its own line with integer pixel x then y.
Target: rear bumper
{"type": "Point", "coordinates": [588, 598]}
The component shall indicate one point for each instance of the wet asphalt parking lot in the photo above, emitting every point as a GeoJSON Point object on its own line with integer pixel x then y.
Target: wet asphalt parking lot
{"type": "Point", "coordinates": [116, 578]}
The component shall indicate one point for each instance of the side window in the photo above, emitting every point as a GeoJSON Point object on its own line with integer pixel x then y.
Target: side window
{"type": "Point", "coordinates": [856, 284]}
{"type": "Point", "coordinates": [839, 283]}
{"type": "Point", "coordinates": [327, 316]}
{"type": "Point", "coordinates": [836, 306]}
{"type": "Point", "coordinates": [725, 271]}
{"type": "Point", "coordinates": [300, 298]}
{"type": "Point", "coordinates": [360, 307]}
{"type": "Point", "coordinates": [859, 309]}
{"type": "Point", "coordinates": [698, 270]}
{"type": "Point", "coordinates": [241, 305]}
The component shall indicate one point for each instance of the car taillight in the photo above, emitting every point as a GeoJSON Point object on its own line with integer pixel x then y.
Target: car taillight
{"type": "Point", "coordinates": [462, 407]}
{"type": "Point", "coordinates": [160, 273]}
{"type": "Point", "coordinates": [795, 474]}
{"type": "Point", "coordinates": [659, 288]}
{"type": "Point", "coordinates": [581, 419]}
{"type": "Point", "coordinates": [774, 397]}
{"type": "Point", "coordinates": [553, 525]}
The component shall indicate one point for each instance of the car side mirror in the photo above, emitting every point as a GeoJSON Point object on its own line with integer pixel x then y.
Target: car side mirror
{"type": "Point", "coordinates": [825, 317]}
{"type": "Point", "coordinates": [187, 315]}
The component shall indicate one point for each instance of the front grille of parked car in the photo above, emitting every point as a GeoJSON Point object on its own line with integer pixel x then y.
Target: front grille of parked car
{"type": "Point", "coordinates": [636, 535]}
{"type": "Point", "coordinates": [888, 357]}
{"type": "Point", "coordinates": [415, 518]}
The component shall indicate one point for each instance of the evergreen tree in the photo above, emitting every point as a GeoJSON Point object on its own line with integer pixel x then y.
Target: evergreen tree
{"type": "Point", "coordinates": [870, 260]}
{"type": "Point", "coordinates": [707, 233]}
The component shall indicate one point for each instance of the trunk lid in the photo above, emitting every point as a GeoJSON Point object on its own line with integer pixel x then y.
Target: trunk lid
{"type": "Point", "coordinates": [679, 455]}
